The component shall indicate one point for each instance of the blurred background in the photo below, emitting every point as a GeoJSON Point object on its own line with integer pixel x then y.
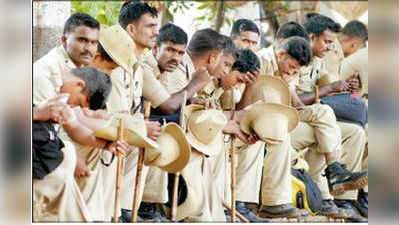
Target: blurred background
{"type": "Point", "coordinates": [29, 30]}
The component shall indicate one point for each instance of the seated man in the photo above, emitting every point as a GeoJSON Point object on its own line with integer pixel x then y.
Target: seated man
{"type": "Point", "coordinates": [352, 38]}
{"type": "Point", "coordinates": [322, 31]}
{"type": "Point", "coordinates": [82, 91]}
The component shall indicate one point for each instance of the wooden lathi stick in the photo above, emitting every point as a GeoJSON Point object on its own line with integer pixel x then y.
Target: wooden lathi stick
{"type": "Point", "coordinates": [232, 168]}
{"type": "Point", "coordinates": [241, 217]}
{"type": "Point", "coordinates": [176, 183]}
{"type": "Point", "coordinates": [118, 173]}
{"type": "Point", "coordinates": [140, 163]}
{"type": "Point", "coordinates": [316, 94]}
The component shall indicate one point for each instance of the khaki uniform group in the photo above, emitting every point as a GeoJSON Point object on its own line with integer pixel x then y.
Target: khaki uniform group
{"type": "Point", "coordinates": [200, 153]}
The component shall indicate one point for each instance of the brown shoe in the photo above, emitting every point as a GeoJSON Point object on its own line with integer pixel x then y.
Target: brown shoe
{"type": "Point", "coordinates": [279, 211]}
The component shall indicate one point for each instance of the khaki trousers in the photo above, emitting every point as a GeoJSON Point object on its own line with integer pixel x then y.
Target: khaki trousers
{"type": "Point", "coordinates": [353, 142]}
{"type": "Point", "coordinates": [318, 131]}
{"type": "Point", "coordinates": [109, 185]}
{"type": "Point", "coordinates": [128, 180]}
{"type": "Point", "coordinates": [92, 186]}
{"type": "Point", "coordinates": [57, 198]}
{"type": "Point", "coordinates": [214, 174]}
{"type": "Point", "coordinates": [196, 207]}
{"type": "Point", "coordinates": [156, 186]}
{"type": "Point", "coordinates": [327, 135]}
{"type": "Point", "coordinates": [249, 164]}
{"type": "Point", "coordinates": [276, 181]}
{"type": "Point", "coordinates": [353, 145]}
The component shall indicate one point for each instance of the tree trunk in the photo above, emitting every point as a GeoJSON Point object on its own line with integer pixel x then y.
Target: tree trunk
{"type": "Point", "coordinates": [271, 17]}
{"type": "Point", "coordinates": [220, 16]}
{"type": "Point", "coordinates": [48, 24]}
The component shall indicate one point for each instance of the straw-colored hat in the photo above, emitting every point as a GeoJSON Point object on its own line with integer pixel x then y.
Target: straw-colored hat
{"type": "Point", "coordinates": [173, 153]}
{"type": "Point", "coordinates": [135, 131]}
{"type": "Point", "coordinates": [205, 129]}
{"type": "Point", "coordinates": [191, 197]}
{"type": "Point", "coordinates": [271, 122]}
{"type": "Point", "coordinates": [271, 90]}
{"type": "Point", "coordinates": [119, 46]}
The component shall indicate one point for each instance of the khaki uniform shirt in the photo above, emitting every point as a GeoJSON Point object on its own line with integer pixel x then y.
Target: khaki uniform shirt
{"type": "Point", "coordinates": [309, 76]}
{"type": "Point", "coordinates": [179, 79]}
{"type": "Point", "coordinates": [357, 62]}
{"type": "Point", "coordinates": [268, 62]}
{"type": "Point", "coordinates": [332, 60]}
{"type": "Point", "coordinates": [47, 76]}
{"type": "Point", "coordinates": [126, 90]}
{"type": "Point", "coordinates": [154, 87]}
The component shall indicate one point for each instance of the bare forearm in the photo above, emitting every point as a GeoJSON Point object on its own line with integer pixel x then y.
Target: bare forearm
{"type": "Point", "coordinates": [174, 102]}
{"type": "Point", "coordinates": [308, 97]}
{"type": "Point", "coordinates": [83, 135]}
{"type": "Point", "coordinates": [296, 101]}
{"type": "Point", "coordinates": [245, 99]}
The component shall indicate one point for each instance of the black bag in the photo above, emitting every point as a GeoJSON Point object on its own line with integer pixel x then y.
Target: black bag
{"type": "Point", "coordinates": [46, 149]}
{"type": "Point", "coordinates": [313, 194]}
{"type": "Point", "coordinates": [348, 108]}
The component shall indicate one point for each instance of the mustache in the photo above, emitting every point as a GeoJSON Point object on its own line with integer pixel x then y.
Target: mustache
{"type": "Point", "coordinates": [173, 61]}
{"type": "Point", "coordinates": [86, 53]}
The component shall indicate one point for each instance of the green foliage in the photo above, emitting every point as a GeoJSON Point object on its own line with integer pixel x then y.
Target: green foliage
{"type": "Point", "coordinates": [210, 8]}
{"type": "Point", "coordinates": [173, 7]}
{"type": "Point", "coordinates": [106, 12]}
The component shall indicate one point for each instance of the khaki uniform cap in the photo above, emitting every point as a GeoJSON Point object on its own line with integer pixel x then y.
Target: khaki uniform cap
{"type": "Point", "coordinates": [119, 46]}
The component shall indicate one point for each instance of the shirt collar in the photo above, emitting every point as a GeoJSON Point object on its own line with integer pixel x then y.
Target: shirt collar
{"type": "Point", "coordinates": [67, 60]}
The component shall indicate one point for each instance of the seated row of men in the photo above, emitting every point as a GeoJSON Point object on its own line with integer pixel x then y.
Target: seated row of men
{"type": "Point", "coordinates": [105, 73]}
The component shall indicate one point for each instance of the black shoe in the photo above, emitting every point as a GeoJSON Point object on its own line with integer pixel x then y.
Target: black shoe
{"type": "Point", "coordinates": [341, 180]}
{"type": "Point", "coordinates": [243, 209]}
{"type": "Point", "coordinates": [362, 203]}
{"type": "Point", "coordinates": [279, 211]}
{"type": "Point", "coordinates": [330, 209]}
{"type": "Point", "coordinates": [349, 207]}
{"type": "Point", "coordinates": [126, 216]}
{"type": "Point", "coordinates": [151, 212]}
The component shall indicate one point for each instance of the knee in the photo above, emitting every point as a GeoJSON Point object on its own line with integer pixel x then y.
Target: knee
{"type": "Point", "coordinates": [358, 132]}
{"type": "Point", "coordinates": [326, 110]}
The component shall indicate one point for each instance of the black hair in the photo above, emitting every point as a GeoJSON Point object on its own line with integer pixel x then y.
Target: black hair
{"type": "Point", "coordinates": [308, 16]}
{"type": "Point", "coordinates": [229, 46]}
{"type": "Point", "coordinates": [132, 11]}
{"type": "Point", "coordinates": [319, 23]}
{"type": "Point", "coordinates": [291, 29]}
{"type": "Point", "coordinates": [298, 48]}
{"type": "Point", "coordinates": [356, 29]}
{"type": "Point", "coordinates": [206, 40]}
{"type": "Point", "coordinates": [173, 33]}
{"type": "Point", "coordinates": [80, 19]}
{"type": "Point", "coordinates": [98, 85]}
{"type": "Point", "coordinates": [103, 53]}
{"type": "Point", "coordinates": [243, 25]}
{"type": "Point", "coordinates": [247, 61]}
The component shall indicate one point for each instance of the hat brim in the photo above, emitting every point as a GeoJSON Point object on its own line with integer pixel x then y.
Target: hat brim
{"type": "Point", "coordinates": [210, 149]}
{"type": "Point", "coordinates": [268, 108]}
{"type": "Point", "coordinates": [190, 109]}
{"type": "Point", "coordinates": [107, 44]}
{"type": "Point", "coordinates": [131, 137]}
{"type": "Point", "coordinates": [270, 81]}
{"type": "Point", "coordinates": [184, 147]}
{"type": "Point", "coordinates": [192, 201]}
